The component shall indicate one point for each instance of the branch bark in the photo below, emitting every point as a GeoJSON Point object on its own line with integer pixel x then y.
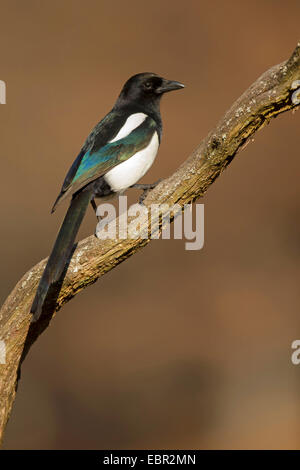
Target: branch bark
{"type": "Point", "coordinates": [276, 91]}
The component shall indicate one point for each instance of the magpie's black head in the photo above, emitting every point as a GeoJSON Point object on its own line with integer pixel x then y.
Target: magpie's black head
{"type": "Point", "coordinates": [146, 88]}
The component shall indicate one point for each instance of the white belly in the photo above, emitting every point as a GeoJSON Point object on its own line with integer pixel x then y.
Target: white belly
{"type": "Point", "coordinates": [129, 172]}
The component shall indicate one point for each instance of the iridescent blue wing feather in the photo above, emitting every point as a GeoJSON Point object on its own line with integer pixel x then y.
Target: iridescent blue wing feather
{"type": "Point", "coordinates": [97, 160]}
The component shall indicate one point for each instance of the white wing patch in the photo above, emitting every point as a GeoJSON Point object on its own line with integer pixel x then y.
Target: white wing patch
{"type": "Point", "coordinates": [129, 172]}
{"type": "Point", "coordinates": [132, 122]}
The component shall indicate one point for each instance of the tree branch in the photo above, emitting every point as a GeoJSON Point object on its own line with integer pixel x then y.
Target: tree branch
{"type": "Point", "coordinates": [276, 91]}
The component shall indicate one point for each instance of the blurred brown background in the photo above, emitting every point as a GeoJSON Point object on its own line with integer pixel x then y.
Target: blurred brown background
{"type": "Point", "coordinates": [174, 348]}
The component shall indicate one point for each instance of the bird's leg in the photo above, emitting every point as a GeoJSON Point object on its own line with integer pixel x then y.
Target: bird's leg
{"type": "Point", "coordinates": [94, 206]}
{"type": "Point", "coordinates": [145, 188]}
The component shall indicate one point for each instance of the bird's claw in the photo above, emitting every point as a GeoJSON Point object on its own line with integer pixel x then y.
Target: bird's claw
{"type": "Point", "coordinates": [145, 188]}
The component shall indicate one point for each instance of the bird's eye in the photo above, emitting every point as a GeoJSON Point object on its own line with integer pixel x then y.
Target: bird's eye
{"type": "Point", "coordinates": [148, 85]}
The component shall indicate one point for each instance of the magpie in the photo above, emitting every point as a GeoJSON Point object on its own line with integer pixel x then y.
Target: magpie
{"type": "Point", "coordinates": [117, 153]}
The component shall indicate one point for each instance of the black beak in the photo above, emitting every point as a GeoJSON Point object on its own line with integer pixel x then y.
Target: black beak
{"type": "Point", "coordinates": [169, 85]}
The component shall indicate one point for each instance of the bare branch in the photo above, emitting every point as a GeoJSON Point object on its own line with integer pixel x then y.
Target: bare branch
{"type": "Point", "coordinates": [276, 91]}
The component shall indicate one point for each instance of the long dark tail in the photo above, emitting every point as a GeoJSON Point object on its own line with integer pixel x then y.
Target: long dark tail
{"type": "Point", "coordinates": [62, 249]}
